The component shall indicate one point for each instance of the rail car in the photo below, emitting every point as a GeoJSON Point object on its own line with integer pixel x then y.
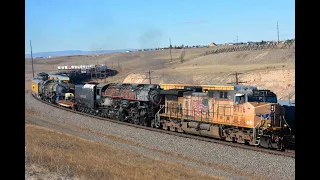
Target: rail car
{"type": "Point", "coordinates": [244, 115]}
{"type": "Point", "coordinates": [50, 90]}
{"type": "Point", "coordinates": [241, 114]}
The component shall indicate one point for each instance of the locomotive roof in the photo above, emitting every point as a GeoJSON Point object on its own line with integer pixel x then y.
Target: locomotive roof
{"type": "Point", "coordinates": [101, 85]}
{"type": "Point", "coordinates": [61, 77]}
{"type": "Point", "coordinates": [37, 80]}
{"type": "Point", "coordinates": [89, 86]}
{"type": "Point", "coordinates": [208, 87]}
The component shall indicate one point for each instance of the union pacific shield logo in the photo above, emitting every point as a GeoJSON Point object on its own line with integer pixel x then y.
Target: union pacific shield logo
{"type": "Point", "coordinates": [265, 116]}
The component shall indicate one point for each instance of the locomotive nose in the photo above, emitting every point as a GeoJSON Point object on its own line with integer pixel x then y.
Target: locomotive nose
{"type": "Point", "coordinates": [155, 97]}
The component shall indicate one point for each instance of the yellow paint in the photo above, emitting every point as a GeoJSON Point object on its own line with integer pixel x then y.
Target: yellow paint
{"type": "Point", "coordinates": [219, 112]}
{"type": "Point", "coordinates": [204, 87]}
{"type": "Point", "coordinates": [69, 96]}
{"type": "Point", "coordinates": [35, 88]}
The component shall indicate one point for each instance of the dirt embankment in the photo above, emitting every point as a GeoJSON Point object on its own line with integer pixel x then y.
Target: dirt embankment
{"type": "Point", "coordinates": [272, 69]}
{"type": "Point", "coordinates": [266, 69]}
{"type": "Point", "coordinates": [282, 82]}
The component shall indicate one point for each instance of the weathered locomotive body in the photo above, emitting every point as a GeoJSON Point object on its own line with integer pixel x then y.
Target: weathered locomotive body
{"type": "Point", "coordinates": [48, 89]}
{"type": "Point", "coordinates": [234, 113]}
{"type": "Point", "coordinates": [85, 96]}
{"type": "Point", "coordinates": [135, 103]}
{"type": "Point", "coordinates": [52, 90]}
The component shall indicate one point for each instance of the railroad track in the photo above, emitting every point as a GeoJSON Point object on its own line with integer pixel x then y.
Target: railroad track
{"type": "Point", "coordinates": [287, 153]}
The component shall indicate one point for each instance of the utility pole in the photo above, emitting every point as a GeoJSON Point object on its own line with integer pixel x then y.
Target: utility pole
{"type": "Point", "coordinates": [237, 38]}
{"type": "Point", "coordinates": [182, 56]}
{"type": "Point", "coordinates": [118, 65]}
{"type": "Point", "coordinates": [278, 32]}
{"type": "Point", "coordinates": [237, 79]}
{"type": "Point", "coordinates": [170, 50]}
{"type": "Point", "coordinates": [31, 59]}
{"type": "Point", "coordinates": [149, 77]}
{"type": "Point", "coordinates": [105, 71]}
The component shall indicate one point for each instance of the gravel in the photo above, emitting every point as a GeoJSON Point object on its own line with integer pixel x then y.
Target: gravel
{"type": "Point", "coordinates": [220, 160]}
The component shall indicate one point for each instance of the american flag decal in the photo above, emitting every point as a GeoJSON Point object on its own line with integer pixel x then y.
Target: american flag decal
{"type": "Point", "coordinates": [200, 109]}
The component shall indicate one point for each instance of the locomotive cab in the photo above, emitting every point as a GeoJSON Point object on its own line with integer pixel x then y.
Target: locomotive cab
{"type": "Point", "coordinates": [275, 131]}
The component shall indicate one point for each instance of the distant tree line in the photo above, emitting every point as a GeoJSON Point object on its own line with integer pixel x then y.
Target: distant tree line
{"type": "Point", "coordinates": [207, 46]}
{"type": "Point", "coordinates": [181, 47]}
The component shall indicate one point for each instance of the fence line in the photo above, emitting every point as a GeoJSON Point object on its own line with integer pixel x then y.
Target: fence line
{"type": "Point", "coordinates": [252, 47]}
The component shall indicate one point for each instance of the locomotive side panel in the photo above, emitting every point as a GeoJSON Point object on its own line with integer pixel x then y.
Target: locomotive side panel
{"type": "Point", "coordinates": [127, 92]}
{"type": "Point", "coordinates": [112, 91]}
{"type": "Point", "coordinates": [268, 111]}
{"type": "Point", "coordinates": [186, 104]}
{"type": "Point", "coordinates": [199, 107]}
{"type": "Point", "coordinates": [171, 106]}
{"type": "Point", "coordinates": [35, 86]}
{"type": "Point", "coordinates": [85, 94]}
{"type": "Point", "coordinates": [142, 94]}
{"type": "Point", "coordinates": [241, 113]}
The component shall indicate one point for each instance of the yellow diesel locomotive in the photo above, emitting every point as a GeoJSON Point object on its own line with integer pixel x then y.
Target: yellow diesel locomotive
{"type": "Point", "coordinates": [241, 114]}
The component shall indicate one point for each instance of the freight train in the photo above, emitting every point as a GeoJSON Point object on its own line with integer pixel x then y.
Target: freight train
{"type": "Point", "coordinates": [241, 114]}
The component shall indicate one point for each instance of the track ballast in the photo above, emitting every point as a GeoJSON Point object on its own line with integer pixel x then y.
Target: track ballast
{"type": "Point", "coordinates": [287, 153]}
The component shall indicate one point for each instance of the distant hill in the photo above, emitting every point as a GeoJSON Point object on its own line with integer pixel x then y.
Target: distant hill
{"type": "Point", "coordinates": [73, 52]}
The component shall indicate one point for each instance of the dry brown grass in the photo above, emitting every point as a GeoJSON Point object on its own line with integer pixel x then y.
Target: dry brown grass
{"type": "Point", "coordinates": [31, 112]}
{"type": "Point", "coordinates": [210, 69]}
{"type": "Point", "coordinates": [175, 155]}
{"type": "Point", "coordinates": [72, 156]}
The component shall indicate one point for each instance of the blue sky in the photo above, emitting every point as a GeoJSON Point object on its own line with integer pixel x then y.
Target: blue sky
{"type": "Point", "coordinates": [106, 24]}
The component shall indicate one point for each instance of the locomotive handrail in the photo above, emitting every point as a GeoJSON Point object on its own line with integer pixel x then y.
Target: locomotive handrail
{"type": "Point", "coordinates": [254, 132]}
{"type": "Point", "coordinates": [157, 116]}
{"type": "Point", "coordinates": [286, 123]}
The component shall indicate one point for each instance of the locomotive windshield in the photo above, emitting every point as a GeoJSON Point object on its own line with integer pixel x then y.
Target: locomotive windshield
{"type": "Point", "coordinates": [262, 96]}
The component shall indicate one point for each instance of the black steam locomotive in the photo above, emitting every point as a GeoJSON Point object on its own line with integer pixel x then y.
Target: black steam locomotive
{"type": "Point", "coordinates": [134, 103]}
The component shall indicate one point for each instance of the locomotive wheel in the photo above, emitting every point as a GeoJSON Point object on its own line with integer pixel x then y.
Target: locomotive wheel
{"type": "Point", "coordinates": [172, 128]}
{"type": "Point", "coordinates": [121, 117]}
{"type": "Point", "coordinates": [145, 123]}
{"type": "Point", "coordinates": [266, 142]}
{"type": "Point", "coordinates": [143, 118]}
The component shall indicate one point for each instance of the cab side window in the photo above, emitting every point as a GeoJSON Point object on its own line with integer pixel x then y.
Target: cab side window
{"type": "Point", "coordinates": [240, 99]}
{"type": "Point", "coordinates": [223, 95]}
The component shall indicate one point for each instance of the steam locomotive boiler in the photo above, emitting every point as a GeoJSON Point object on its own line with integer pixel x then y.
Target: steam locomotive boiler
{"type": "Point", "coordinates": [134, 103]}
{"type": "Point", "coordinates": [51, 90]}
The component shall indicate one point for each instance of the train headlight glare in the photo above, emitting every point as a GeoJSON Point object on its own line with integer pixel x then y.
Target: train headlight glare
{"type": "Point", "coordinates": [272, 107]}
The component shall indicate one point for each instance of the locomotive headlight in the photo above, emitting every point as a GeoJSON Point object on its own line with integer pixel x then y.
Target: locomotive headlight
{"type": "Point", "coordinates": [272, 107]}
